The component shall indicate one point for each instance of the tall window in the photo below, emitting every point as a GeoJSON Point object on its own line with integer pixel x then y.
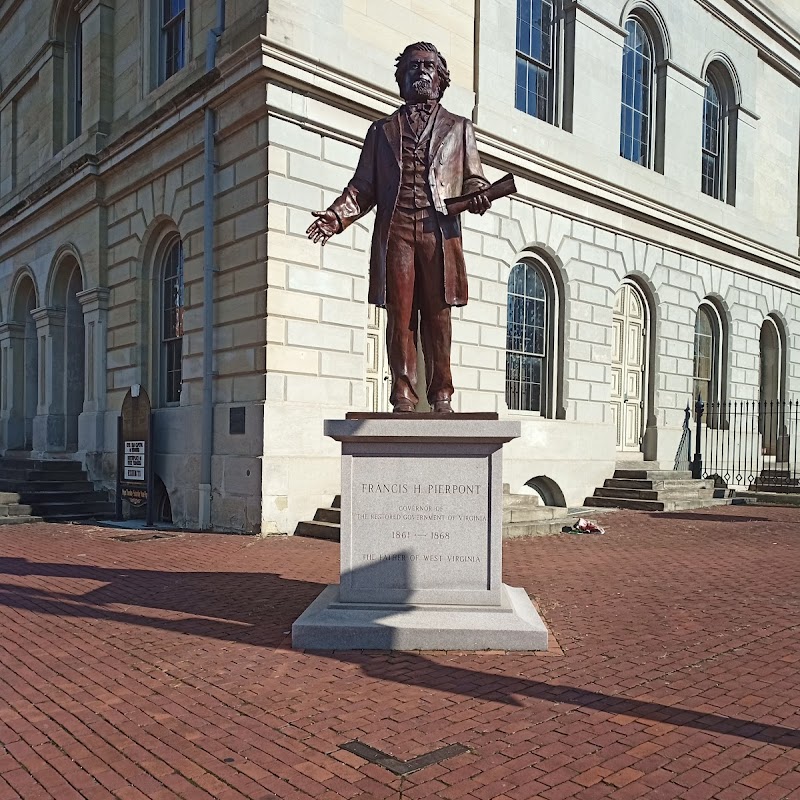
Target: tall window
{"type": "Point", "coordinates": [172, 323]}
{"type": "Point", "coordinates": [527, 339]}
{"type": "Point", "coordinates": [720, 119]}
{"type": "Point", "coordinates": [76, 82]}
{"type": "Point", "coordinates": [536, 48]}
{"type": "Point", "coordinates": [68, 78]}
{"type": "Point", "coordinates": [713, 151]}
{"type": "Point", "coordinates": [172, 53]}
{"type": "Point", "coordinates": [636, 125]}
{"type": "Point", "coordinates": [705, 356]}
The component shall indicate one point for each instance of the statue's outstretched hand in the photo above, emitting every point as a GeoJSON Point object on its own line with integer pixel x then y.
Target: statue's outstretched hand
{"type": "Point", "coordinates": [323, 227]}
{"type": "Point", "coordinates": [479, 204]}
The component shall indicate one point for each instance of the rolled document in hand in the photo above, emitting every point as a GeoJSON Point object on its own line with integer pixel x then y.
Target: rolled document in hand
{"type": "Point", "coordinates": [496, 190]}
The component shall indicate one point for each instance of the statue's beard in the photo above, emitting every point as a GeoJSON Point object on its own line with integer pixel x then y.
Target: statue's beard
{"type": "Point", "coordinates": [423, 88]}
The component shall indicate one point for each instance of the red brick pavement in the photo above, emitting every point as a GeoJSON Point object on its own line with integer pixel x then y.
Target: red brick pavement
{"type": "Point", "coordinates": [162, 669]}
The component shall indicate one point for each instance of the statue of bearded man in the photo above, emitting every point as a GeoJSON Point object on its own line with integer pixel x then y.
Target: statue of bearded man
{"type": "Point", "coordinates": [411, 162]}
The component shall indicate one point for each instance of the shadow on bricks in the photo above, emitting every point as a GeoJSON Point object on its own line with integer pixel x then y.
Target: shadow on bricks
{"type": "Point", "coordinates": [250, 608]}
{"type": "Point", "coordinates": [417, 670]}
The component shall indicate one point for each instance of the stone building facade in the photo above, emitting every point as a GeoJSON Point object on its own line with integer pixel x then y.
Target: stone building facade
{"type": "Point", "coordinates": [158, 153]}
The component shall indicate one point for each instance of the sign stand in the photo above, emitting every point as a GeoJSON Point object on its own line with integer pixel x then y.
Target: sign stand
{"type": "Point", "coordinates": [135, 477]}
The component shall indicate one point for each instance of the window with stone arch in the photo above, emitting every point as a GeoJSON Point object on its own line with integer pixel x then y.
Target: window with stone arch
{"type": "Point", "coordinates": [537, 58]}
{"type": "Point", "coordinates": [710, 362]}
{"type": "Point", "coordinates": [718, 151]}
{"type": "Point", "coordinates": [68, 74]}
{"type": "Point", "coordinates": [171, 308]}
{"type": "Point", "coordinates": [531, 332]}
{"type": "Point", "coordinates": [641, 113]}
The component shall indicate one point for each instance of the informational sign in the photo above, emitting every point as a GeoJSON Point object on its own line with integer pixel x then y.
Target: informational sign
{"type": "Point", "coordinates": [135, 446]}
{"type": "Point", "coordinates": [133, 461]}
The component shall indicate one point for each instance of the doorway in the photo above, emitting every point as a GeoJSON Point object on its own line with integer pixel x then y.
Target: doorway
{"type": "Point", "coordinates": [771, 387]}
{"type": "Point", "coordinates": [377, 368]}
{"type": "Point", "coordinates": [25, 365]}
{"type": "Point", "coordinates": [629, 368]}
{"type": "Point", "coordinates": [73, 362]}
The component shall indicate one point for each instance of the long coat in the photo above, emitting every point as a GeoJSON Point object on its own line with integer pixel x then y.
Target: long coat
{"type": "Point", "coordinates": [455, 169]}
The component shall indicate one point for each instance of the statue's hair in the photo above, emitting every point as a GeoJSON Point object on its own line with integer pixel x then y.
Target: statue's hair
{"type": "Point", "coordinates": [401, 63]}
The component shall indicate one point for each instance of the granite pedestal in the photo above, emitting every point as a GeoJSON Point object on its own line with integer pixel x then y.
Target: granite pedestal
{"type": "Point", "coordinates": [421, 540]}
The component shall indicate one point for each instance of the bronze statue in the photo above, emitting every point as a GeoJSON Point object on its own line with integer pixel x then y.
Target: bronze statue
{"type": "Point", "coordinates": [411, 163]}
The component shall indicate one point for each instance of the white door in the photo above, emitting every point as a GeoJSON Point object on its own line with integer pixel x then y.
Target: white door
{"type": "Point", "coordinates": [629, 368]}
{"type": "Point", "coordinates": [377, 371]}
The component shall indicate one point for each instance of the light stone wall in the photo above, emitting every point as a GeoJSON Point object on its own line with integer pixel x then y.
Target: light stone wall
{"type": "Point", "coordinates": [317, 317]}
{"type": "Point", "coordinates": [138, 216]}
{"type": "Point", "coordinates": [362, 38]}
{"type": "Point", "coordinates": [290, 318]}
{"type": "Point", "coordinates": [590, 262]}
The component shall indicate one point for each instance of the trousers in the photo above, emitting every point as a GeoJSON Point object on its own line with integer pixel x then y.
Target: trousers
{"type": "Point", "coordinates": [415, 299]}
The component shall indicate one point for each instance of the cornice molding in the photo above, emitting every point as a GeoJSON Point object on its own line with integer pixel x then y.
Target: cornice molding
{"type": "Point", "coordinates": [580, 5]}
{"type": "Point", "coordinates": [782, 35]}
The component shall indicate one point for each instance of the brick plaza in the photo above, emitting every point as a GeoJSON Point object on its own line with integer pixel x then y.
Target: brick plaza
{"type": "Point", "coordinates": [155, 669]}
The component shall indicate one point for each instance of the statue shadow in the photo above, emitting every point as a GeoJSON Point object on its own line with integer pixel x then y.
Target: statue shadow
{"type": "Point", "coordinates": [259, 608]}
{"type": "Point", "coordinates": [252, 608]}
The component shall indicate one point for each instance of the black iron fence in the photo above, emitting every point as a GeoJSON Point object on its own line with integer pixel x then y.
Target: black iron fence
{"type": "Point", "coordinates": [750, 444]}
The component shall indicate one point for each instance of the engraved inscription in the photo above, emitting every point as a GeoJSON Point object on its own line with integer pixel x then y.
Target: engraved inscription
{"type": "Point", "coordinates": [416, 530]}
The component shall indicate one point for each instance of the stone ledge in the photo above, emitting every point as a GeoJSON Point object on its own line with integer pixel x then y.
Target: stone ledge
{"type": "Point", "coordinates": [433, 428]}
{"type": "Point", "coordinates": [328, 624]}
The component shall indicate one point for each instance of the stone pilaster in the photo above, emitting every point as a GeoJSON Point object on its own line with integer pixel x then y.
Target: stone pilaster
{"type": "Point", "coordinates": [97, 20]}
{"type": "Point", "coordinates": [12, 413]}
{"type": "Point", "coordinates": [91, 436]}
{"type": "Point", "coordinates": [49, 425]}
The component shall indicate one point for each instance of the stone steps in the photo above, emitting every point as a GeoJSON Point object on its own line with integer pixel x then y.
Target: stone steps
{"type": "Point", "coordinates": [759, 497]}
{"type": "Point", "coordinates": [35, 489]}
{"type": "Point", "coordinates": [785, 488]}
{"type": "Point", "coordinates": [330, 531]}
{"type": "Point", "coordinates": [649, 488]}
{"type": "Point", "coordinates": [11, 509]}
{"type": "Point", "coordinates": [655, 505]}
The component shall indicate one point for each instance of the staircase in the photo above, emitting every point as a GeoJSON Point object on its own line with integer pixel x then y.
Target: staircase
{"type": "Point", "coordinates": [57, 491]}
{"type": "Point", "coordinates": [646, 487]}
{"type": "Point", "coordinates": [776, 480]}
{"type": "Point", "coordinates": [12, 511]}
{"type": "Point", "coordinates": [523, 515]}
{"type": "Point", "coordinates": [325, 524]}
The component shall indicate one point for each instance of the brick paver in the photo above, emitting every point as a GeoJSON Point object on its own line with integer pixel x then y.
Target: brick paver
{"type": "Point", "coordinates": [163, 669]}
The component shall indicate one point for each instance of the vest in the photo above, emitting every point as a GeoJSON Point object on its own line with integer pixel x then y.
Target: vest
{"type": "Point", "coordinates": [414, 189]}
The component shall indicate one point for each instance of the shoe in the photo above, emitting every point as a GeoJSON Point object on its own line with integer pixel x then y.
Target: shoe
{"type": "Point", "coordinates": [442, 406]}
{"type": "Point", "coordinates": [403, 407]}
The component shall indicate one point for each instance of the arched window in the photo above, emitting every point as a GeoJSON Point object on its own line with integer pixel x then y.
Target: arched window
{"type": "Point", "coordinates": [772, 357]}
{"type": "Point", "coordinates": [638, 84]}
{"type": "Point", "coordinates": [706, 356]}
{"type": "Point", "coordinates": [529, 339]}
{"type": "Point", "coordinates": [75, 80]}
{"type": "Point", "coordinates": [537, 46]}
{"type": "Point", "coordinates": [67, 75]}
{"type": "Point", "coordinates": [719, 134]}
{"type": "Point", "coordinates": [713, 150]}
{"type": "Point", "coordinates": [171, 349]}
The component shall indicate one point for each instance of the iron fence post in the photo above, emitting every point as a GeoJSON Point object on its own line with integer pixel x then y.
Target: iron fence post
{"type": "Point", "coordinates": [697, 464]}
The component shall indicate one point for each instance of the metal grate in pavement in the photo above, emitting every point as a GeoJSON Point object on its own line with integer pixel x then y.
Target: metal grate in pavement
{"type": "Point", "coordinates": [142, 537]}
{"type": "Point", "coordinates": [399, 767]}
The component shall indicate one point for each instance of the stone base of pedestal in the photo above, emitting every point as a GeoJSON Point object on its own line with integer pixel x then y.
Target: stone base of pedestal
{"type": "Point", "coordinates": [328, 624]}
